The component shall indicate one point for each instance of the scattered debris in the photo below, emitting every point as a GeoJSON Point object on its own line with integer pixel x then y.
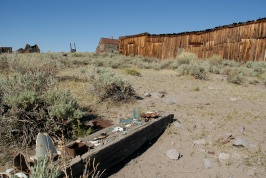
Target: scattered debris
{"type": "Point", "coordinates": [149, 114]}
{"type": "Point", "coordinates": [21, 163]}
{"type": "Point", "coordinates": [173, 154]}
{"type": "Point", "coordinates": [77, 148]}
{"type": "Point", "coordinates": [118, 129]}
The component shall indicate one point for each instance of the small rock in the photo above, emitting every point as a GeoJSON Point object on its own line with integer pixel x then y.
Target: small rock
{"type": "Point", "coordinates": [207, 163]}
{"type": "Point", "coordinates": [89, 123]}
{"type": "Point", "coordinates": [240, 142]}
{"type": "Point", "coordinates": [172, 143]}
{"type": "Point", "coordinates": [10, 170]}
{"type": "Point", "coordinates": [177, 124]}
{"type": "Point", "coordinates": [199, 142]}
{"type": "Point", "coordinates": [251, 172]}
{"type": "Point", "coordinates": [173, 154]}
{"type": "Point", "coordinates": [147, 94]}
{"type": "Point", "coordinates": [21, 175]}
{"type": "Point", "coordinates": [223, 156]}
{"type": "Point", "coordinates": [234, 99]}
{"type": "Point", "coordinates": [242, 129]}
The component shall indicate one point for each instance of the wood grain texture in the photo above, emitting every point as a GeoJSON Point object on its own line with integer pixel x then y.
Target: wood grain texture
{"type": "Point", "coordinates": [240, 42]}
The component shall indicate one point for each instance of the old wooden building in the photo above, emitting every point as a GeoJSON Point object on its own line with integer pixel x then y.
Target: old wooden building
{"type": "Point", "coordinates": [244, 41]}
{"type": "Point", "coordinates": [5, 50]}
{"type": "Point", "coordinates": [29, 49]}
{"type": "Point", "coordinates": [107, 45]}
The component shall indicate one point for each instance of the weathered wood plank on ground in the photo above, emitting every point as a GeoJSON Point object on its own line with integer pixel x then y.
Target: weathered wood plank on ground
{"type": "Point", "coordinates": [114, 152]}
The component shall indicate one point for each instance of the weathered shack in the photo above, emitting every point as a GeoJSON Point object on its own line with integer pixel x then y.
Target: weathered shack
{"type": "Point", "coordinates": [244, 41]}
{"type": "Point", "coordinates": [5, 50]}
{"type": "Point", "coordinates": [107, 45]}
{"type": "Point", "coordinates": [29, 49]}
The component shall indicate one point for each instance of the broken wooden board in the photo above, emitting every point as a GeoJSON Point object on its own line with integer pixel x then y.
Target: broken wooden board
{"type": "Point", "coordinates": [121, 146]}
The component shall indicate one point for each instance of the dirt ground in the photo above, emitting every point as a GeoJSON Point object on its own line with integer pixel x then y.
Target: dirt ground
{"type": "Point", "coordinates": [211, 116]}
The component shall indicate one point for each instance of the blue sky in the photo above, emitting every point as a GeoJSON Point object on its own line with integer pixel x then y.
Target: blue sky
{"type": "Point", "coordinates": [53, 24]}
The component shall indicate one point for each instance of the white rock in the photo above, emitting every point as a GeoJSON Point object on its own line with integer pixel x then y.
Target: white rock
{"type": "Point", "coordinates": [199, 142]}
{"type": "Point", "coordinates": [147, 94]}
{"type": "Point", "coordinates": [234, 99]}
{"type": "Point", "coordinates": [207, 163]}
{"type": "Point", "coordinates": [173, 154]}
{"type": "Point", "coordinates": [251, 172]}
{"type": "Point", "coordinates": [21, 175]}
{"type": "Point", "coordinates": [223, 156]}
{"type": "Point", "coordinates": [10, 170]}
{"type": "Point", "coordinates": [116, 129]}
{"type": "Point", "coordinates": [240, 142]}
{"type": "Point", "coordinates": [242, 129]}
{"type": "Point", "coordinates": [177, 124]}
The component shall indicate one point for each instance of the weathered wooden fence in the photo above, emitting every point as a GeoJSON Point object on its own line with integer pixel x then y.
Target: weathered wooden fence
{"type": "Point", "coordinates": [239, 41]}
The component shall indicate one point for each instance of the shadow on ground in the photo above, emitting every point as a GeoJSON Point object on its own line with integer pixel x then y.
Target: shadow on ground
{"type": "Point", "coordinates": [133, 156]}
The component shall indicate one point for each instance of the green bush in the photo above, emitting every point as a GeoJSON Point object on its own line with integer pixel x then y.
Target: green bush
{"type": "Point", "coordinates": [198, 72]}
{"type": "Point", "coordinates": [263, 78]}
{"type": "Point", "coordinates": [44, 168]}
{"type": "Point", "coordinates": [186, 58]}
{"type": "Point", "coordinates": [234, 76]}
{"type": "Point", "coordinates": [109, 85]}
{"type": "Point", "coordinates": [133, 72]}
{"type": "Point", "coordinates": [183, 69]}
{"type": "Point", "coordinates": [28, 105]}
{"type": "Point", "coordinates": [215, 60]}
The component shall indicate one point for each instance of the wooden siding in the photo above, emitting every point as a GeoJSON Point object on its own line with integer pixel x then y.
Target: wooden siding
{"type": "Point", "coordinates": [241, 42]}
{"type": "Point", "coordinates": [5, 50]}
{"type": "Point", "coordinates": [107, 45]}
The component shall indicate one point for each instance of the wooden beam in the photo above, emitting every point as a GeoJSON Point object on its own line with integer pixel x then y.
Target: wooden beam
{"type": "Point", "coordinates": [112, 153]}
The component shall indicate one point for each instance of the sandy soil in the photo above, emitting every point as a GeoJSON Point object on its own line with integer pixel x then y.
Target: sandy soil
{"type": "Point", "coordinates": [212, 115]}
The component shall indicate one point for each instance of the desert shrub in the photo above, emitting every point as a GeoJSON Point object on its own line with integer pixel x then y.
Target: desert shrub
{"type": "Point", "coordinates": [215, 69]}
{"type": "Point", "coordinates": [186, 58]}
{"type": "Point", "coordinates": [165, 64]}
{"type": "Point", "coordinates": [109, 85]}
{"type": "Point", "coordinates": [215, 60]}
{"type": "Point", "coordinates": [133, 72]}
{"type": "Point", "coordinates": [17, 63]}
{"type": "Point", "coordinates": [183, 69]}
{"type": "Point", "coordinates": [29, 106]}
{"type": "Point", "coordinates": [44, 168]}
{"type": "Point", "coordinates": [258, 67]}
{"type": "Point", "coordinates": [230, 63]}
{"type": "Point", "coordinates": [263, 78]}
{"type": "Point", "coordinates": [198, 72]}
{"type": "Point", "coordinates": [235, 77]}
{"type": "Point", "coordinates": [3, 63]}
{"type": "Point", "coordinates": [246, 71]}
